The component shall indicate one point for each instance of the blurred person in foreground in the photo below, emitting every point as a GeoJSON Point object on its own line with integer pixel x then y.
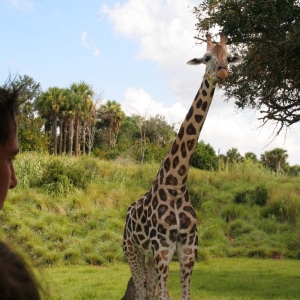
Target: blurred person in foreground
{"type": "Point", "coordinates": [9, 145]}
{"type": "Point", "coordinates": [17, 281]}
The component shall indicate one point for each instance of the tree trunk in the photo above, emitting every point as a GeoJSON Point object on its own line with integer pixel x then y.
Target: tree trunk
{"type": "Point", "coordinates": [65, 128]}
{"type": "Point", "coordinates": [71, 135]}
{"type": "Point", "coordinates": [83, 137]}
{"type": "Point", "coordinates": [61, 126]}
{"type": "Point", "coordinates": [54, 130]}
{"type": "Point", "coordinates": [77, 123]}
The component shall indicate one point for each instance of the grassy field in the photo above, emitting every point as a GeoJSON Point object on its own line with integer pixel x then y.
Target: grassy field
{"type": "Point", "coordinates": [222, 279]}
{"type": "Point", "coordinates": [67, 215]}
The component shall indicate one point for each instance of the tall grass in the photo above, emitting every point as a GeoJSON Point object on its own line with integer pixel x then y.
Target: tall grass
{"type": "Point", "coordinates": [69, 211]}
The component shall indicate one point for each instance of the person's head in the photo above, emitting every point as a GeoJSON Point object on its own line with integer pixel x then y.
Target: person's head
{"type": "Point", "coordinates": [9, 146]}
{"type": "Point", "coordinates": [16, 279]}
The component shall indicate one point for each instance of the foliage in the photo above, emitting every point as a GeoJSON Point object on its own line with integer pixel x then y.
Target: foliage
{"type": "Point", "coordinates": [29, 90]}
{"type": "Point", "coordinates": [268, 37]}
{"type": "Point", "coordinates": [233, 156]}
{"type": "Point", "coordinates": [204, 157]}
{"type": "Point", "coordinates": [31, 136]}
{"type": "Point", "coordinates": [275, 159]}
{"type": "Point", "coordinates": [73, 112]}
{"type": "Point", "coordinates": [158, 131]}
{"type": "Point", "coordinates": [110, 118]}
{"type": "Point", "coordinates": [76, 207]}
{"type": "Point", "coordinates": [258, 195]}
{"type": "Point", "coordinates": [294, 170]}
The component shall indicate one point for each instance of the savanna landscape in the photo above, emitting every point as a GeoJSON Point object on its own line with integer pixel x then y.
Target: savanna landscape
{"type": "Point", "coordinates": [67, 215]}
{"type": "Point", "coordinates": [83, 160]}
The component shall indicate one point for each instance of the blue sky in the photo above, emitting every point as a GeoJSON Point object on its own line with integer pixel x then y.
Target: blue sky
{"type": "Point", "coordinates": [131, 51]}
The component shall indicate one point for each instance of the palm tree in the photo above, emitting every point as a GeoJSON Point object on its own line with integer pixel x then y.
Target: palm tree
{"type": "Point", "coordinates": [63, 118]}
{"type": "Point", "coordinates": [232, 155]}
{"type": "Point", "coordinates": [48, 104]}
{"type": "Point", "coordinates": [251, 156]}
{"type": "Point", "coordinates": [275, 159]}
{"type": "Point", "coordinates": [111, 115]}
{"type": "Point", "coordinates": [88, 120]}
{"type": "Point", "coordinates": [83, 91]}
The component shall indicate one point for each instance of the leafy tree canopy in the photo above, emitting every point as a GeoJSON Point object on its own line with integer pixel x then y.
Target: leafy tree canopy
{"type": "Point", "coordinates": [267, 35]}
{"type": "Point", "coordinates": [205, 157]}
{"type": "Point", "coordinates": [29, 89]}
{"type": "Point", "coordinates": [275, 159]}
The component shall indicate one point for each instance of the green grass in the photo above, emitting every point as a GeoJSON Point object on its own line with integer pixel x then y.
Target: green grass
{"type": "Point", "coordinates": [222, 279]}
{"type": "Point", "coordinates": [67, 215]}
{"type": "Point", "coordinates": [71, 211]}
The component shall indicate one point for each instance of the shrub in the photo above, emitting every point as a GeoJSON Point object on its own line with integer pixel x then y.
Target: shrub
{"type": "Point", "coordinates": [241, 197]}
{"type": "Point", "coordinates": [239, 227]}
{"type": "Point", "coordinates": [59, 178]}
{"type": "Point", "coordinates": [284, 210]}
{"type": "Point", "coordinates": [258, 253]}
{"type": "Point", "coordinates": [260, 195]}
{"type": "Point", "coordinates": [232, 212]}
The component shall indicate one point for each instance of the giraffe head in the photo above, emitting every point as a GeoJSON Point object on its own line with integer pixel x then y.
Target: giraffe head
{"type": "Point", "coordinates": [216, 59]}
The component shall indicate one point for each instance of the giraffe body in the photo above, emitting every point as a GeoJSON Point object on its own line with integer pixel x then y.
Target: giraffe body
{"type": "Point", "coordinates": [163, 222]}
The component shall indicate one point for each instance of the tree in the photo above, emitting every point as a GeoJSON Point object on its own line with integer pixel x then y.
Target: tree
{"type": "Point", "coordinates": [83, 92]}
{"type": "Point", "coordinates": [233, 156]}
{"type": "Point", "coordinates": [31, 136]}
{"type": "Point", "coordinates": [294, 170]}
{"type": "Point", "coordinates": [275, 159]}
{"type": "Point", "coordinates": [48, 104]}
{"type": "Point", "coordinates": [267, 35]}
{"type": "Point", "coordinates": [251, 156]}
{"type": "Point", "coordinates": [111, 115]}
{"type": "Point", "coordinates": [158, 131]}
{"type": "Point", "coordinates": [205, 157]}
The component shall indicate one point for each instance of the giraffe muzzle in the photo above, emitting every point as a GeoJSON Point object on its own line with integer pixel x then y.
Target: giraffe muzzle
{"type": "Point", "coordinates": [222, 73]}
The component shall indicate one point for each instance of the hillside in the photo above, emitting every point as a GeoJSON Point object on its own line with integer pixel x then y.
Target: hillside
{"type": "Point", "coordinates": [72, 210]}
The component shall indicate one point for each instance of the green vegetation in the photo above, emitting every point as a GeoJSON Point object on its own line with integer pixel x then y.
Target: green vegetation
{"type": "Point", "coordinates": [67, 214]}
{"type": "Point", "coordinates": [222, 279]}
{"type": "Point", "coordinates": [70, 211]}
{"type": "Point", "coordinates": [267, 35]}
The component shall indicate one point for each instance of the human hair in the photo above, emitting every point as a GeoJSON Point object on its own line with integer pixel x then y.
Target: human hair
{"type": "Point", "coordinates": [17, 281]}
{"type": "Point", "coordinates": [8, 109]}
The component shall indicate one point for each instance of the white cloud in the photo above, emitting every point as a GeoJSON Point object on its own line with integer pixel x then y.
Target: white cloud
{"type": "Point", "coordinates": [23, 5]}
{"type": "Point", "coordinates": [164, 30]}
{"type": "Point", "coordinates": [138, 101]}
{"type": "Point", "coordinates": [83, 40]}
{"type": "Point", "coordinates": [94, 49]}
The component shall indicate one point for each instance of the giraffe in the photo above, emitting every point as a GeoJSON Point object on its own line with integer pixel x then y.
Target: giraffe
{"type": "Point", "coordinates": [163, 222]}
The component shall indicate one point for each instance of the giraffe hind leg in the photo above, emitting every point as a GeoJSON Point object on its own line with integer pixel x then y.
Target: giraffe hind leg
{"type": "Point", "coordinates": [137, 267]}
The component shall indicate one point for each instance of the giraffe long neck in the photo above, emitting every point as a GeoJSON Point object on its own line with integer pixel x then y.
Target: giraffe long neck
{"type": "Point", "coordinates": [175, 167]}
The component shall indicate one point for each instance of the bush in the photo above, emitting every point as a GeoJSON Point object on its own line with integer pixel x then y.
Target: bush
{"type": "Point", "coordinates": [241, 197]}
{"type": "Point", "coordinates": [260, 196]}
{"type": "Point", "coordinates": [284, 210]}
{"type": "Point", "coordinates": [232, 212]}
{"type": "Point", "coordinates": [59, 178]}
{"type": "Point", "coordinates": [239, 227]}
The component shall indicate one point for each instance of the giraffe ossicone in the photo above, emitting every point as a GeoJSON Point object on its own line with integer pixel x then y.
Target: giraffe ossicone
{"type": "Point", "coordinates": [163, 222]}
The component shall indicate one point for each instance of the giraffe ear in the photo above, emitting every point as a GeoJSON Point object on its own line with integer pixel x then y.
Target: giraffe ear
{"type": "Point", "coordinates": [196, 61]}
{"type": "Point", "coordinates": [234, 59]}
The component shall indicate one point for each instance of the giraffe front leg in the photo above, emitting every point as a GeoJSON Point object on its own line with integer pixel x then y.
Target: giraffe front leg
{"type": "Point", "coordinates": [187, 257]}
{"type": "Point", "coordinates": [162, 260]}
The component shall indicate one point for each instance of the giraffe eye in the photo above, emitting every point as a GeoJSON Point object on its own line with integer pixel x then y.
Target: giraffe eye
{"type": "Point", "coordinates": [207, 58]}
